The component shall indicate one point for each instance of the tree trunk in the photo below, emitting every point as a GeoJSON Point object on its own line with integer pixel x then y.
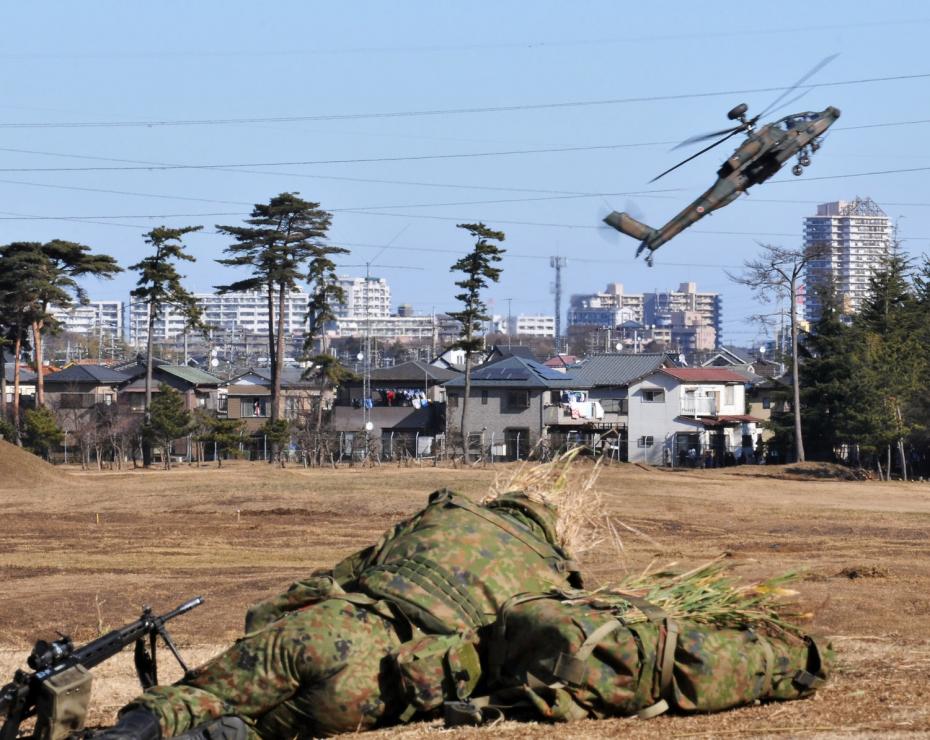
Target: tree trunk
{"type": "Point", "coordinates": [900, 445]}
{"type": "Point", "coordinates": [147, 414]}
{"type": "Point", "coordinates": [279, 357]}
{"type": "Point", "coordinates": [798, 438]}
{"type": "Point", "coordinates": [466, 453]}
{"type": "Point", "coordinates": [888, 462]}
{"type": "Point", "coordinates": [3, 409]}
{"type": "Point", "coordinates": [272, 353]}
{"type": "Point", "coordinates": [37, 359]}
{"type": "Point", "coordinates": [17, 349]}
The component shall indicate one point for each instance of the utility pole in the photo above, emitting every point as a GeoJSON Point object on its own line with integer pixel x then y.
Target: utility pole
{"type": "Point", "coordinates": [509, 322]}
{"type": "Point", "coordinates": [557, 263]}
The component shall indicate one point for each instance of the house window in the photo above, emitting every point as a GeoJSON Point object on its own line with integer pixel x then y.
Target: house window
{"type": "Point", "coordinates": [137, 402]}
{"type": "Point", "coordinates": [729, 395]}
{"type": "Point", "coordinates": [766, 402]}
{"type": "Point", "coordinates": [645, 442]}
{"type": "Point", "coordinates": [254, 407]}
{"type": "Point", "coordinates": [222, 404]}
{"type": "Point", "coordinates": [484, 398]}
{"type": "Point", "coordinates": [76, 400]}
{"type": "Point", "coordinates": [614, 405]}
{"type": "Point", "coordinates": [453, 399]}
{"type": "Point", "coordinates": [653, 396]}
{"type": "Point", "coordinates": [518, 400]}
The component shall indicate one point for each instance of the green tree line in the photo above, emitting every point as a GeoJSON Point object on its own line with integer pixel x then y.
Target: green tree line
{"type": "Point", "coordinates": [864, 380]}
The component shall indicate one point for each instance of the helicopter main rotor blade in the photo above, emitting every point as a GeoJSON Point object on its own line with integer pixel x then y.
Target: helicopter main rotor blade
{"type": "Point", "coordinates": [698, 154]}
{"type": "Point", "coordinates": [814, 70]}
{"type": "Point", "coordinates": [705, 137]}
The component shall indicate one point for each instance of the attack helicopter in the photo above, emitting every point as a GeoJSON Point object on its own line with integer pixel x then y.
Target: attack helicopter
{"type": "Point", "coordinates": [764, 152]}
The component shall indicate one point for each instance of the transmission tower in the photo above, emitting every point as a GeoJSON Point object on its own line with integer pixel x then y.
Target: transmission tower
{"type": "Point", "coordinates": [558, 263]}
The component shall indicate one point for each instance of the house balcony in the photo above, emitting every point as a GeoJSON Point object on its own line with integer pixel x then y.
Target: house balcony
{"type": "Point", "coordinates": [699, 406]}
{"type": "Point", "coordinates": [580, 414]}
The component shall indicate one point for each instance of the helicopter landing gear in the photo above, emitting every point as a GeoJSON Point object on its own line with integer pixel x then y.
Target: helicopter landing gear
{"type": "Point", "coordinates": [815, 145]}
{"type": "Point", "coordinates": [797, 170]}
{"type": "Point", "coordinates": [804, 160]}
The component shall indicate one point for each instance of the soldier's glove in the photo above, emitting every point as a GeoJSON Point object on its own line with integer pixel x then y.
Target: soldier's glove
{"type": "Point", "coordinates": [136, 724]}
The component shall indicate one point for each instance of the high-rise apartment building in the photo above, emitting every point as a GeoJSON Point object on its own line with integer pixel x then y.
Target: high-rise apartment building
{"type": "Point", "coordinates": [244, 311]}
{"type": "Point", "coordinates": [856, 236]}
{"type": "Point", "coordinates": [679, 314]}
{"type": "Point", "coordinates": [364, 297]}
{"type": "Point", "coordinates": [100, 318]}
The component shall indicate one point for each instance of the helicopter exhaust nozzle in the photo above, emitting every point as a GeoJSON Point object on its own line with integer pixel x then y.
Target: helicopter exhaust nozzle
{"type": "Point", "coordinates": [628, 225]}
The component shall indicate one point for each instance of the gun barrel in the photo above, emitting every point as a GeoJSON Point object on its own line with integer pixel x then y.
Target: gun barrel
{"type": "Point", "coordinates": [183, 609]}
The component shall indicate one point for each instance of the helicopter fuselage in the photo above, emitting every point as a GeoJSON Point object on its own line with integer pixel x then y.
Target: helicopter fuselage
{"type": "Point", "coordinates": [764, 152]}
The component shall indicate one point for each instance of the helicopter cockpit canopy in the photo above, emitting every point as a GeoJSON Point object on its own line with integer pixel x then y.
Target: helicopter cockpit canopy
{"type": "Point", "coordinates": [798, 120]}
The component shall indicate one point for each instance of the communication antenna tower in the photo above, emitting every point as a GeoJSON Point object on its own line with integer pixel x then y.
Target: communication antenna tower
{"type": "Point", "coordinates": [557, 263]}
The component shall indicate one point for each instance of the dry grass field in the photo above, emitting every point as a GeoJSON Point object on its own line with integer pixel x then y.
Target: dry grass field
{"type": "Point", "coordinates": [82, 552]}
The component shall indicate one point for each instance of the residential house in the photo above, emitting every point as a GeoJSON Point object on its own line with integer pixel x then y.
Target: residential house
{"type": "Point", "coordinates": [247, 396]}
{"type": "Point", "coordinates": [406, 409]}
{"type": "Point", "coordinates": [690, 416]}
{"type": "Point", "coordinates": [594, 411]}
{"type": "Point", "coordinates": [199, 389]}
{"type": "Point", "coordinates": [76, 393]}
{"type": "Point", "coordinates": [507, 406]}
{"type": "Point", "coordinates": [27, 383]}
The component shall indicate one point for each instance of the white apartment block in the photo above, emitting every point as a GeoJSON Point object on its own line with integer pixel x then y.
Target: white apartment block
{"type": "Point", "coordinates": [438, 327]}
{"type": "Point", "coordinates": [245, 311]}
{"type": "Point", "coordinates": [365, 297]}
{"type": "Point", "coordinates": [100, 318]}
{"type": "Point", "coordinates": [526, 325]}
{"type": "Point", "coordinates": [857, 235]}
{"type": "Point", "coordinates": [658, 310]}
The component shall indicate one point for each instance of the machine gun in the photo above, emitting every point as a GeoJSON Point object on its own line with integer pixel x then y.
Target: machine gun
{"type": "Point", "coordinates": [57, 692]}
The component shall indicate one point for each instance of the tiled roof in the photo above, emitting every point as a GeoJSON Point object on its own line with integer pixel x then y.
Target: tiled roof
{"type": "Point", "coordinates": [190, 374]}
{"type": "Point", "coordinates": [25, 376]}
{"type": "Point", "coordinates": [704, 375]}
{"type": "Point", "coordinates": [515, 372]}
{"type": "Point", "coordinates": [414, 372]}
{"type": "Point", "coordinates": [616, 369]}
{"type": "Point", "coordinates": [87, 374]}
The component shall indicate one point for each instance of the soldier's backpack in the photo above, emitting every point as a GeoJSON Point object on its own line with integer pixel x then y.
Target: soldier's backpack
{"type": "Point", "coordinates": [574, 656]}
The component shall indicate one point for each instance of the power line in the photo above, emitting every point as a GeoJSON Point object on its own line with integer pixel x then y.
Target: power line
{"type": "Point", "coordinates": [141, 166]}
{"type": "Point", "coordinates": [450, 111]}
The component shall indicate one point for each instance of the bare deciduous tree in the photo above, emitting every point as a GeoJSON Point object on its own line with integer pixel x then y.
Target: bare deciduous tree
{"type": "Point", "coordinates": [776, 274]}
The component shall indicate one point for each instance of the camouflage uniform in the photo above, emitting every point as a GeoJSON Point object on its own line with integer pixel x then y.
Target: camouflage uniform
{"type": "Point", "coordinates": [389, 632]}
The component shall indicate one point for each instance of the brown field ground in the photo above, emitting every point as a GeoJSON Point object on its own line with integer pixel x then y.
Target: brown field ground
{"type": "Point", "coordinates": [245, 532]}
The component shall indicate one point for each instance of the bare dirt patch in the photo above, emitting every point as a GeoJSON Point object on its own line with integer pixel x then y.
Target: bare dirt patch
{"type": "Point", "coordinates": [84, 552]}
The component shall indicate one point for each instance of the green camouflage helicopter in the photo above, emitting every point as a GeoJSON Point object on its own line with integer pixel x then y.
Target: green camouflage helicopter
{"type": "Point", "coordinates": [764, 152]}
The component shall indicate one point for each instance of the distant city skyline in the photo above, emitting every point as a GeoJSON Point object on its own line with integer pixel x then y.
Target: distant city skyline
{"type": "Point", "coordinates": [429, 115]}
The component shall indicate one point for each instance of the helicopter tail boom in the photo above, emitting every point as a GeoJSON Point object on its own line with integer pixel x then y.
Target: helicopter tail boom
{"type": "Point", "coordinates": [628, 225]}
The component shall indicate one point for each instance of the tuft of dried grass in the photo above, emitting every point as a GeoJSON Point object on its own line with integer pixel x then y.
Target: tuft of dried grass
{"type": "Point", "coordinates": [569, 486]}
{"type": "Point", "coordinates": [709, 593]}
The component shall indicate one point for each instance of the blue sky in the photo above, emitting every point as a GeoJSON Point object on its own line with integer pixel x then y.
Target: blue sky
{"type": "Point", "coordinates": [124, 62]}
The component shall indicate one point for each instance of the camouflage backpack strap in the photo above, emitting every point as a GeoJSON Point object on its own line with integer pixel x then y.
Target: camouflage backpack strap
{"type": "Point", "coordinates": [814, 676]}
{"type": "Point", "coordinates": [666, 659]}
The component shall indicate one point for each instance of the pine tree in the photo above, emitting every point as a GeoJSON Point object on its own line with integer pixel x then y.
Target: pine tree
{"type": "Point", "coordinates": [42, 431]}
{"type": "Point", "coordinates": [56, 267]}
{"type": "Point", "coordinates": [168, 420]}
{"type": "Point", "coordinates": [224, 434]}
{"type": "Point", "coordinates": [890, 364]}
{"type": "Point", "coordinates": [479, 270]}
{"type": "Point", "coordinates": [159, 287]}
{"type": "Point", "coordinates": [826, 378]}
{"type": "Point", "coordinates": [281, 238]}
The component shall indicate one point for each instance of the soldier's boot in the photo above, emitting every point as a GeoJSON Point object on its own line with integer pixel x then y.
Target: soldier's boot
{"type": "Point", "coordinates": [136, 724]}
{"type": "Point", "coordinates": [222, 728]}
